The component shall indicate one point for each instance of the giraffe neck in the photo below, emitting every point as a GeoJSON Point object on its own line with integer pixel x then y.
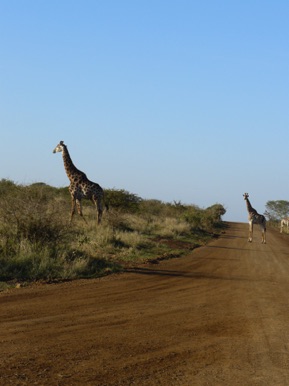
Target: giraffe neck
{"type": "Point", "coordinates": [70, 168]}
{"type": "Point", "coordinates": [250, 209]}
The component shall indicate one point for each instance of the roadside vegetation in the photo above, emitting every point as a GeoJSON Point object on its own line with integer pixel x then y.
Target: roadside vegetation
{"type": "Point", "coordinates": [37, 241]}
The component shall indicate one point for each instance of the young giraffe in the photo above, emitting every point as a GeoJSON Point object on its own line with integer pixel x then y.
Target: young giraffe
{"type": "Point", "coordinates": [255, 218]}
{"type": "Point", "coordinates": [284, 221]}
{"type": "Point", "coordinates": [80, 186]}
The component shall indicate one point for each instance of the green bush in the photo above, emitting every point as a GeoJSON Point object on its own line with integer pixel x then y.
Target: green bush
{"type": "Point", "coordinates": [122, 200]}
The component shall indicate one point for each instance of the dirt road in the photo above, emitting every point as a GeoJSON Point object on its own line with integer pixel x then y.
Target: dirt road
{"type": "Point", "coordinates": [219, 316]}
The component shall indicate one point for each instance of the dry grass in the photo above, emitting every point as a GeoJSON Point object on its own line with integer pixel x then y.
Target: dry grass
{"type": "Point", "coordinates": [38, 243]}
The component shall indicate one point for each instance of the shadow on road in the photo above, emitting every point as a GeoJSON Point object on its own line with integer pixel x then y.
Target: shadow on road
{"type": "Point", "coordinates": [238, 249]}
{"type": "Point", "coordinates": [190, 275]}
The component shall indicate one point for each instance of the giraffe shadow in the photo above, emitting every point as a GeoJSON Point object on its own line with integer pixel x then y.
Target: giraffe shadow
{"type": "Point", "coordinates": [190, 275]}
{"type": "Point", "coordinates": [237, 249]}
{"type": "Point", "coordinates": [233, 237]}
{"type": "Point", "coordinates": [221, 258]}
{"type": "Point", "coordinates": [165, 272]}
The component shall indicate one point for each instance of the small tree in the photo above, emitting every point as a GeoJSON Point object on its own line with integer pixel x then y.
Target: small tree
{"type": "Point", "coordinates": [122, 199]}
{"type": "Point", "coordinates": [275, 210]}
{"type": "Point", "coordinates": [217, 211]}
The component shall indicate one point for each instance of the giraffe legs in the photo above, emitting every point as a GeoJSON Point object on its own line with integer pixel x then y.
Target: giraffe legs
{"type": "Point", "coordinates": [263, 230]}
{"type": "Point", "coordinates": [99, 208]}
{"type": "Point", "coordinates": [73, 205]}
{"type": "Point", "coordinates": [79, 209]}
{"type": "Point", "coordinates": [264, 235]}
{"type": "Point", "coordinates": [76, 203]}
{"type": "Point", "coordinates": [250, 238]}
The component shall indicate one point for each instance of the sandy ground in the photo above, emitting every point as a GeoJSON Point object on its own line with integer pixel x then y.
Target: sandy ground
{"type": "Point", "coordinates": [219, 316]}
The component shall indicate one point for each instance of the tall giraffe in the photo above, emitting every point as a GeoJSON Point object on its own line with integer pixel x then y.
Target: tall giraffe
{"type": "Point", "coordinates": [255, 218]}
{"type": "Point", "coordinates": [80, 186]}
{"type": "Point", "coordinates": [284, 221]}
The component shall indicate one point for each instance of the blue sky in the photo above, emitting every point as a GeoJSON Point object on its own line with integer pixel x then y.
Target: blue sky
{"type": "Point", "coordinates": [171, 100]}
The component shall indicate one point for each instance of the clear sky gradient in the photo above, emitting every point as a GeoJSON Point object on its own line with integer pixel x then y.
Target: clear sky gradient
{"type": "Point", "coordinates": [170, 100]}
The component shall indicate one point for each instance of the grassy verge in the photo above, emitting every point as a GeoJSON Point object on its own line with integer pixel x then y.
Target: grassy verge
{"type": "Point", "coordinates": [37, 242]}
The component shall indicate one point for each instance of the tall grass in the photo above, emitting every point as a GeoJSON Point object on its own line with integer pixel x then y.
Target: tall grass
{"type": "Point", "coordinates": [37, 242]}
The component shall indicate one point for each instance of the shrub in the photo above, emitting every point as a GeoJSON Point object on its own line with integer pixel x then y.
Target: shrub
{"type": "Point", "coordinates": [122, 200]}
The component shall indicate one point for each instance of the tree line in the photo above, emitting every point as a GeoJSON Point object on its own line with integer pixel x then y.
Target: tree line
{"type": "Point", "coordinates": [276, 210]}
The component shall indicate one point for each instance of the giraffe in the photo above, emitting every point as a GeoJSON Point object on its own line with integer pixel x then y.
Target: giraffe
{"type": "Point", "coordinates": [284, 221]}
{"type": "Point", "coordinates": [80, 186]}
{"type": "Point", "coordinates": [255, 218]}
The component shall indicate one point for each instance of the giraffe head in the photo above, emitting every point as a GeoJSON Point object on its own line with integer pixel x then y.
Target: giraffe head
{"type": "Point", "coordinates": [245, 195]}
{"type": "Point", "coordinates": [59, 147]}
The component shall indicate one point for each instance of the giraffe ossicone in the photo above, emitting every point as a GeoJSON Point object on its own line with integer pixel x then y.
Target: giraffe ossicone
{"type": "Point", "coordinates": [80, 186]}
{"type": "Point", "coordinates": [255, 218]}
